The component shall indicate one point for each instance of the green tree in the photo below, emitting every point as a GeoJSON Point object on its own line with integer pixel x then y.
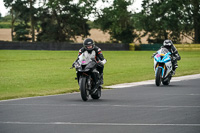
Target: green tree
{"type": "Point", "coordinates": [63, 20]}
{"type": "Point", "coordinates": [32, 11]}
{"type": "Point", "coordinates": [56, 20]}
{"type": "Point", "coordinates": [22, 10]}
{"type": "Point", "coordinates": [168, 19]}
{"type": "Point", "coordinates": [9, 3]}
{"type": "Point", "coordinates": [193, 7]}
{"type": "Point", "coordinates": [22, 32]}
{"type": "Point", "coordinates": [116, 19]}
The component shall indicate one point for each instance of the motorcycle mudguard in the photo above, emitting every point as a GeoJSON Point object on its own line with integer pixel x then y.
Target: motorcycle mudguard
{"type": "Point", "coordinates": [162, 70]}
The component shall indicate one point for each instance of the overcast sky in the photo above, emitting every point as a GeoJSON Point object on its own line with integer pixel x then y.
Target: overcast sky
{"type": "Point", "coordinates": [135, 7]}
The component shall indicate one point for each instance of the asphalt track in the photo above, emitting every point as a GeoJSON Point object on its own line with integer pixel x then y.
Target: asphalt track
{"type": "Point", "coordinates": [133, 109]}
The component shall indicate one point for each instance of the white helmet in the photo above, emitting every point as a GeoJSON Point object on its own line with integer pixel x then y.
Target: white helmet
{"type": "Point", "coordinates": [167, 43]}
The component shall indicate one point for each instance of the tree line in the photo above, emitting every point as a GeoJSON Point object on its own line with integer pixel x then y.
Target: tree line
{"type": "Point", "coordinates": [63, 20]}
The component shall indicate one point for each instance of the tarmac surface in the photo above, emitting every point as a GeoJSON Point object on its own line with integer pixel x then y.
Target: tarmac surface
{"type": "Point", "coordinates": [133, 109]}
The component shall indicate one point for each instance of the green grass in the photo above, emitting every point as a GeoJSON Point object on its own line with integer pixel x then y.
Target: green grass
{"type": "Point", "coordinates": [6, 25]}
{"type": "Point", "coordinates": [36, 73]}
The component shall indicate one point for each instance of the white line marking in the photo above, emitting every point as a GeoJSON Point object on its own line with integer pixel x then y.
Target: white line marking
{"type": "Point", "coordinates": [39, 97]}
{"type": "Point", "coordinates": [97, 124]}
{"type": "Point", "coordinates": [148, 82]}
{"type": "Point", "coordinates": [100, 105]}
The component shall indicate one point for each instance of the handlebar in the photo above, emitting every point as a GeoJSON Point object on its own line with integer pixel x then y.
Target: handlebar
{"type": "Point", "coordinates": [153, 55]}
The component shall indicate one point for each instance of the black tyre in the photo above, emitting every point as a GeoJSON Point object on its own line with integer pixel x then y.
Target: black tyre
{"type": "Point", "coordinates": [97, 95]}
{"type": "Point", "coordinates": [83, 89]}
{"type": "Point", "coordinates": [158, 77]}
{"type": "Point", "coordinates": [167, 81]}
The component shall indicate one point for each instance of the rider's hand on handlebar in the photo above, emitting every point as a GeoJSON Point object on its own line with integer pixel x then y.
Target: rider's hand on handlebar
{"type": "Point", "coordinates": [153, 55]}
{"type": "Point", "coordinates": [99, 63]}
{"type": "Point", "coordinates": [73, 64]}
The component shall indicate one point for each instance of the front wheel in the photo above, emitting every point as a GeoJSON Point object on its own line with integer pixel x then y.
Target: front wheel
{"type": "Point", "coordinates": [84, 89]}
{"type": "Point", "coordinates": [158, 76]}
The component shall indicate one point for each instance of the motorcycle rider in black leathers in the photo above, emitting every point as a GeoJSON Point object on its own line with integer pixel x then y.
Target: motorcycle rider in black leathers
{"type": "Point", "coordinates": [174, 53]}
{"type": "Point", "coordinates": [89, 46]}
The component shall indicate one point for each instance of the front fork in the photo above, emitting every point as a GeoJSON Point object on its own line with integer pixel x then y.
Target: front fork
{"type": "Point", "coordinates": [92, 79]}
{"type": "Point", "coordinates": [163, 69]}
{"type": "Point", "coordinates": [88, 82]}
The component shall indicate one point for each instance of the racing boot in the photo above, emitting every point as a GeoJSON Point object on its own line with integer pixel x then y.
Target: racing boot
{"type": "Point", "coordinates": [101, 78]}
{"type": "Point", "coordinates": [174, 68]}
{"type": "Point", "coordinates": [97, 83]}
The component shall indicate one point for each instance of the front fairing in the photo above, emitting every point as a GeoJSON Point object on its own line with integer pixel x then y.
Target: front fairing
{"type": "Point", "coordinates": [163, 60]}
{"type": "Point", "coordinates": [90, 65]}
{"type": "Point", "coordinates": [163, 55]}
{"type": "Point", "coordinates": [84, 59]}
{"type": "Point", "coordinates": [86, 68]}
{"type": "Point", "coordinates": [86, 63]}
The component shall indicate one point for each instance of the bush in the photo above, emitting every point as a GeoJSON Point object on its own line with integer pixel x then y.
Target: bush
{"type": "Point", "coordinates": [5, 25]}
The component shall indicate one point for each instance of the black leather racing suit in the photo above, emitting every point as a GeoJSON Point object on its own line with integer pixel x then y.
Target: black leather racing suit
{"type": "Point", "coordinates": [175, 55]}
{"type": "Point", "coordinates": [99, 57]}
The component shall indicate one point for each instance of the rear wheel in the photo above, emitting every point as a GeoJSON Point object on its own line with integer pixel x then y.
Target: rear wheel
{"type": "Point", "coordinates": [158, 76]}
{"type": "Point", "coordinates": [84, 89]}
{"type": "Point", "coordinates": [97, 95]}
{"type": "Point", "coordinates": [167, 81]}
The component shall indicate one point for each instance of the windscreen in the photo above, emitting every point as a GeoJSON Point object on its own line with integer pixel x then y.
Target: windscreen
{"type": "Point", "coordinates": [163, 51]}
{"type": "Point", "coordinates": [84, 59]}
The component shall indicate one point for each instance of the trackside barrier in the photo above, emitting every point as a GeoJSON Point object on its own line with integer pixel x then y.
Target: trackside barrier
{"type": "Point", "coordinates": [187, 47]}
{"type": "Point", "coordinates": [154, 47]}
{"type": "Point", "coordinates": [132, 47]}
{"type": "Point", "coordinates": [103, 46]}
{"type": "Point", "coordinates": [58, 46]}
{"type": "Point", "coordinates": [144, 47]}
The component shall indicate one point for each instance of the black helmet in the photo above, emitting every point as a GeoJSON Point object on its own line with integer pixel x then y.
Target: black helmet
{"type": "Point", "coordinates": [167, 43]}
{"type": "Point", "coordinates": [88, 42]}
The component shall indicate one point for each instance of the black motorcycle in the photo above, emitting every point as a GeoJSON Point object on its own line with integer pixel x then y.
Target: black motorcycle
{"type": "Point", "coordinates": [88, 78]}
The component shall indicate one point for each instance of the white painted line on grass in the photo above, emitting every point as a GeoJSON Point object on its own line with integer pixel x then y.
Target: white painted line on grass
{"type": "Point", "coordinates": [98, 124]}
{"type": "Point", "coordinates": [148, 82]}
